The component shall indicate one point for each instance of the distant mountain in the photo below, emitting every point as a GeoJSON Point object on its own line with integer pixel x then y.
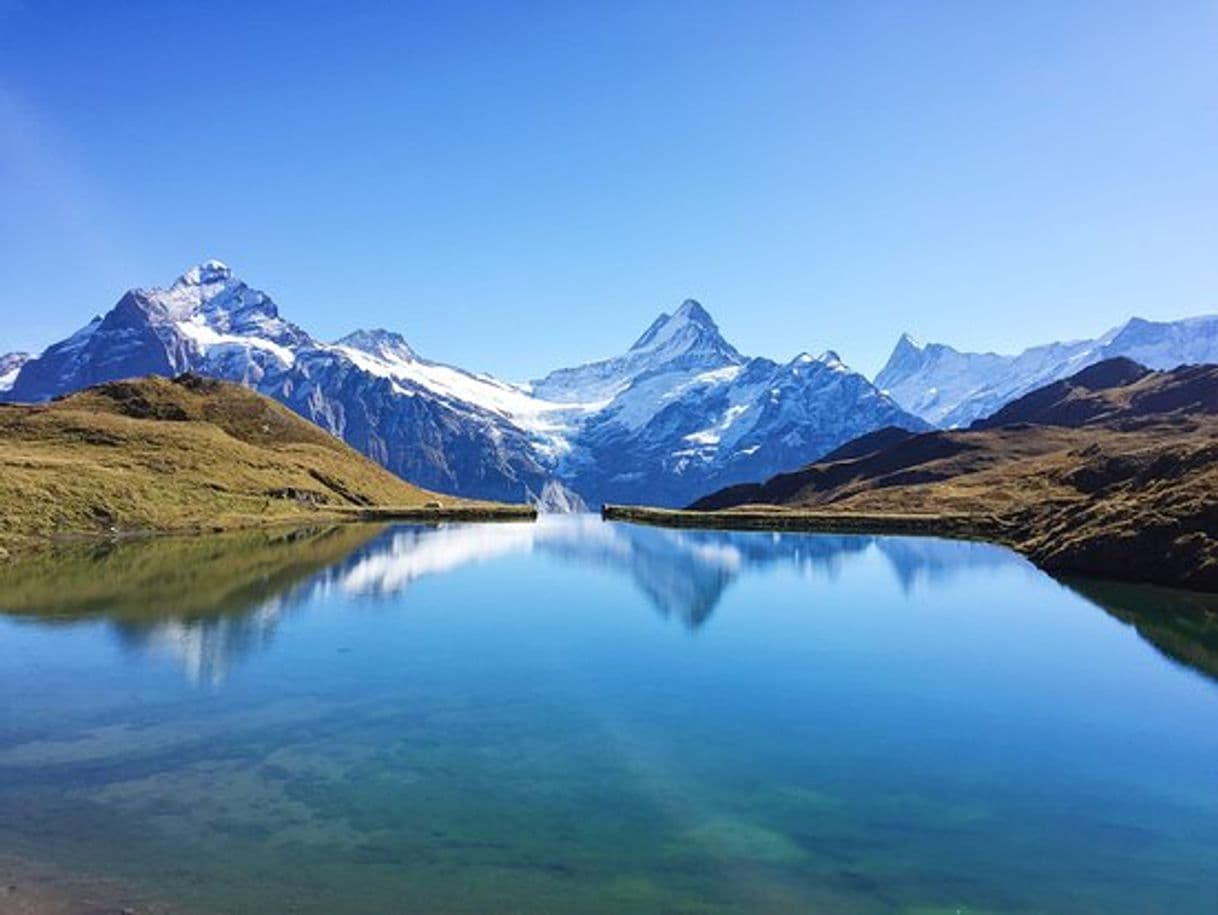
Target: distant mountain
{"type": "Point", "coordinates": [687, 341]}
{"type": "Point", "coordinates": [1112, 472]}
{"type": "Point", "coordinates": [10, 365]}
{"type": "Point", "coordinates": [950, 388]}
{"type": "Point", "coordinates": [681, 412]}
{"type": "Point", "coordinates": [437, 426]}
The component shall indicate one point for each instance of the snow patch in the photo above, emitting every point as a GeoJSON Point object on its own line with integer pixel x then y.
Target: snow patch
{"type": "Point", "coordinates": [207, 338]}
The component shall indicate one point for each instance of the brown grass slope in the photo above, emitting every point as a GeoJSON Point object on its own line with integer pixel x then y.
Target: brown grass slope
{"type": "Point", "coordinates": [189, 454]}
{"type": "Point", "coordinates": [1111, 473]}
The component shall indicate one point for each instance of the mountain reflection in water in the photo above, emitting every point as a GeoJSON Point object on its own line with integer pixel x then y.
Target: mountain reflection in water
{"type": "Point", "coordinates": [210, 601]}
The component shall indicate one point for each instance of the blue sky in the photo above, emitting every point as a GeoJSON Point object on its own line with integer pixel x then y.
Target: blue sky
{"type": "Point", "coordinates": [521, 185]}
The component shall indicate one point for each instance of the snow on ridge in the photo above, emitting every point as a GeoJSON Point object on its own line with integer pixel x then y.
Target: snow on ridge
{"type": "Point", "coordinates": [549, 424]}
{"type": "Point", "coordinates": [10, 368]}
{"type": "Point", "coordinates": [482, 390]}
{"type": "Point", "coordinates": [951, 388]}
{"type": "Point", "coordinates": [206, 273]}
{"type": "Point", "coordinates": [714, 434]}
{"type": "Point", "coordinates": [207, 338]}
{"type": "Point", "coordinates": [682, 390]}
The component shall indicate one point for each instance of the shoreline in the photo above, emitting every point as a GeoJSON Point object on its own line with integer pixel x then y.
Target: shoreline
{"type": "Point", "coordinates": [16, 546]}
{"type": "Point", "coordinates": [955, 527]}
{"type": "Point", "coordinates": [476, 512]}
{"type": "Point", "coordinates": [986, 529]}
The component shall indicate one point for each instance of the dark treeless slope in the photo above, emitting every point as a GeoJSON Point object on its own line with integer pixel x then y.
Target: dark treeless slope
{"type": "Point", "coordinates": [189, 454]}
{"type": "Point", "coordinates": [1112, 473]}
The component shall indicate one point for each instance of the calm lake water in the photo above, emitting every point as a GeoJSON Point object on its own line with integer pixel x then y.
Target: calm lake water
{"type": "Point", "coordinates": [576, 716]}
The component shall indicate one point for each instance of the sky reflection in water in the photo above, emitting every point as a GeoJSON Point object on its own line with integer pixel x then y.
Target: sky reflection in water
{"type": "Point", "coordinates": [578, 716]}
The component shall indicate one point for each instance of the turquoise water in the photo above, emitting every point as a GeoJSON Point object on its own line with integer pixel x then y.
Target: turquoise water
{"type": "Point", "coordinates": [584, 717]}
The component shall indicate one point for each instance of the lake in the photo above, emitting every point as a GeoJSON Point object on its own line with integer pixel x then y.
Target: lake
{"type": "Point", "coordinates": [577, 716]}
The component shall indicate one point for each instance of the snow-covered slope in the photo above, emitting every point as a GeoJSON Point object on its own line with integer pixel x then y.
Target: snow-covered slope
{"type": "Point", "coordinates": [682, 411]}
{"type": "Point", "coordinates": [675, 434]}
{"type": "Point", "coordinates": [679, 414]}
{"type": "Point", "coordinates": [687, 340]}
{"type": "Point", "coordinates": [951, 388]}
{"type": "Point", "coordinates": [10, 365]}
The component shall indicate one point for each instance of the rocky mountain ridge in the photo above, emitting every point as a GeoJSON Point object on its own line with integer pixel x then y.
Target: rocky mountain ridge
{"type": "Point", "coordinates": [950, 388]}
{"type": "Point", "coordinates": [679, 413]}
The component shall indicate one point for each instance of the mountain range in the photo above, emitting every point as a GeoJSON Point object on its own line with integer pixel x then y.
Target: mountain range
{"type": "Point", "coordinates": [682, 412]}
{"type": "Point", "coordinates": [679, 414]}
{"type": "Point", "coordinates": [950, 389]}
{"type": "Point", "coordinates": [1110, 473]}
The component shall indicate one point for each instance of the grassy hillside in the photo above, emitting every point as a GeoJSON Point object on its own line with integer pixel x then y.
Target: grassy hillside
{"type": "Point", "coordinates": [1113, 473]}
{"type": "Point", "coordinates": [189, 454]}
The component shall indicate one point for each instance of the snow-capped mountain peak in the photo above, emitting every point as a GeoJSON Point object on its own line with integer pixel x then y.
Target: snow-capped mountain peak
{"type": "Point", "coordinates": [208, 273]}
{"type": "Point", "coordinates": [384, 344]}
{"type": "Point", "coordinates": [678, 414]}
{"type": "Point", "coordinates": [805, 361]}
{"type": "Point", "coordinates": [686, 342]}
{"type": "Point", "coordinates": [690, 312]}
{"type": "Point", "coordinates": [952, 388]}
{"type": "Point", "coordinates": [831, 359]}
{"type": "Point", "coordinates": [689, 327]}
{"type": "Point", "coordinates": [212, 307]}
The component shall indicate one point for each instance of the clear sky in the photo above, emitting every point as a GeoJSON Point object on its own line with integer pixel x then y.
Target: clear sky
{"type": "Point", "coordinates": [521, 185]}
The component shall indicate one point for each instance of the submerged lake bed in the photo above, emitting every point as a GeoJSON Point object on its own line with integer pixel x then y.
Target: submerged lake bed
{"type": "Point", "coordinates": [579, 716]}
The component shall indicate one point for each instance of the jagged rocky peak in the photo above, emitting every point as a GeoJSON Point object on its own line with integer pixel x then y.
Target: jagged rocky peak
{"type": "Point", "coordinates": [692, 312]}
{"type": "Point", "coordinates": [910, 353]}
{"type": "Point", "coordinates": [209, 294]}
{"type": "Point", "coordinates": [831, 359]}
{"type": "Point", "coordinates": [211, 286]}
{"type": "Point", "coordinates": [205, 274]}
{"type": "Point", "coordinates": [907, 345]}
{"type": "Point", "coordinates": [688, 326]}
{"type": "Point", "coordinates": [384, 344]}
{"type": "Point", "coordinates": [951, 388]}
{"type": "Point", "coordinates": [204, 287]}
{"type": "Point", "coordinates": [688, 340]}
